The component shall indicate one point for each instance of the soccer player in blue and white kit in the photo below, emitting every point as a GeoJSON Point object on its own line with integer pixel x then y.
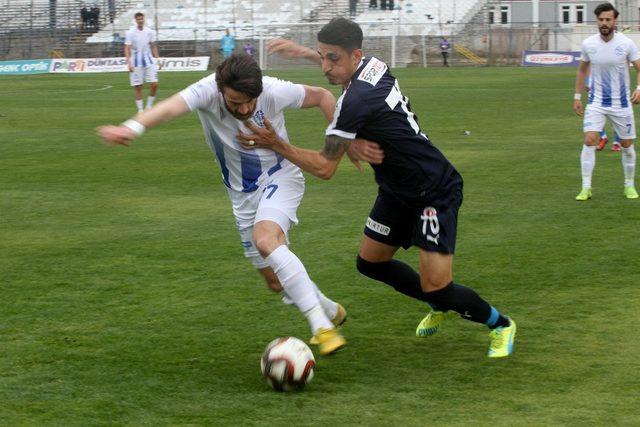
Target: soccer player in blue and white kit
{"type": "Point", "coordinates": [419, 190]}
{"type": "Point", "coordinates": [140, 49]}
{"type": "Point", "coordinates": [265, 189]}
{"type": "Point", "coordinates": [608, 54]}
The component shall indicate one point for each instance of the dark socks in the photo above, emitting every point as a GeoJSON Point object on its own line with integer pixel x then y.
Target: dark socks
{"type": "Point", "coordinates": [468, 304]}
{"type": "Point", "coordinates": [396, 274]}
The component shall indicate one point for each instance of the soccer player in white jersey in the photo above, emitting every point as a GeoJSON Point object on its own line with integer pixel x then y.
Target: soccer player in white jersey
{"type": "Point", "coordinates": [265, 189]}
{"type": "Point", "coordinates": [140, 49]}
{"type": "Point", "coordinates": [608, 54]}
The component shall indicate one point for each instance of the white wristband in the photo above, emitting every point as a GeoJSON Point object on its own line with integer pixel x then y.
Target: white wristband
{"type": "Point", "coordinates": [638, 87]}
{"type": "Point", "coordinates": [577, 96]}
{"type": "Point", "coordinates": [137, 127]}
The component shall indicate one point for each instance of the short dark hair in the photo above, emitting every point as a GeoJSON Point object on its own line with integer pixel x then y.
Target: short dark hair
{"type": "Point", "coordinates": [138, 14]}
{"type": "Point", "coordinates": [606, 7]}
{"type": "Point", "coordinates": [341, 32]}
{"type": "Point", "coordinates": [241, 73]}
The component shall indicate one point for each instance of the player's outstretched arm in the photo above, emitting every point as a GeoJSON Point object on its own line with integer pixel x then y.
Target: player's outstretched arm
{"type": "Point", "coordinates": [290, 49]}
{"type": "Point", "coordinates": [131, 129]}
{"type": "Point", "coordinates": [322, 164]}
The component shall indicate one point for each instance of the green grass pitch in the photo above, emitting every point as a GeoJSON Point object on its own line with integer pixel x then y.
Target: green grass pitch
{"type": "Point", "coordinates": [125, 299]}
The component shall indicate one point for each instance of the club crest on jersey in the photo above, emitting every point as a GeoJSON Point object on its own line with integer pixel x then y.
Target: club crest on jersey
{"type": "Point", "coordinates": [373, 72]}
{"type": "Point", "coordinates": [619, 50]}
{"type": "Point", "coordinates": [258, 117]}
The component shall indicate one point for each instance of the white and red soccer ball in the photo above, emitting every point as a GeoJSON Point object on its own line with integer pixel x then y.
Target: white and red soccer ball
{"type": "Point", "coordinates": [287, 364]}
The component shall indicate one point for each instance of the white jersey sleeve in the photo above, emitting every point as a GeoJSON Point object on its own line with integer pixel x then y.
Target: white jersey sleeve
{"type": "Point", "coordinates": [152, 36]}
{"type": "Point", "coordinates": [128, 38]}
{"type": "Point", "coordinates": [285, 94]}
{"type": "Point", "coordinates": [201, 94]}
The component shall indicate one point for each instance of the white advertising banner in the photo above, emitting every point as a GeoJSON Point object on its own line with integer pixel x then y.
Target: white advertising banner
{"type": "Point", "coordinates": [113, 65]}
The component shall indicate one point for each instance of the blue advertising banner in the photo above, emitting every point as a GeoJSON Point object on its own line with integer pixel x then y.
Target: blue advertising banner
{"type": "Point", "coordinates": [550, 58]}
{"type": "Point", "coordinates": [36, 66]}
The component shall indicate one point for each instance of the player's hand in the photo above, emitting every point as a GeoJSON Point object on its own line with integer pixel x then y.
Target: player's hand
{"type": "Point", "coordinates": [114, 135]}
{"type": "Point", "coordinates": [130, 67]}
{"type": "Point", "coordinates": [635, 97]}
{"type": "Point", "coordinates": [159, 65]}
{"type": "Point", "coordinates": [577, 107]}
{"type": "Point", "coordinates": [260, 137]}
{"type": "Point", "coordinates": [368, 151]}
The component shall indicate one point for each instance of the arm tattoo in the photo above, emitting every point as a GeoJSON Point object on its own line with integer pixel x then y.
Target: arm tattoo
{"type": "Point", "coordinates": [335, 146]}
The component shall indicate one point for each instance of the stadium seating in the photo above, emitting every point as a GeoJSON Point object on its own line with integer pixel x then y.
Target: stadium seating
{"type": "Point", "coordinates": [195, 20]}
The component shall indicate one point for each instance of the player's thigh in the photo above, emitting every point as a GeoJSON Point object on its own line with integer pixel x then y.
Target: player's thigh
{"type": "Point", "coordinates": [374, 251]}
{"type": "Point", "coordinates": [151, 73]}
{"type": "Point", "coordinates": [389, 224]}
{"type": "Point", "coordinates": [624, 124]}
{"type": "Point", "coordinates": [436, 225]}
{"type": "Point", "coordinates": [436, 270]}
{"type": "Point", "coordinates": [280, 198]}
{"type": "Point", "coordinates": [136, 77]}
{"type": "Point", "coordinates": [593, 123]}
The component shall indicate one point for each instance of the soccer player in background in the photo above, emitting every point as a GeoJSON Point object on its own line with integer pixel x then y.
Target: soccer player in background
{"type": "Point", "coordinates": [265, 189]}
{"type": "Point", "coordinates": [419, 190]}
{"type": "Point", "coordinates": [139, 46]}
{"type": "Point", "coordinates": [607, 54]}
{"type": "Point", "coordinates": [227, 44]}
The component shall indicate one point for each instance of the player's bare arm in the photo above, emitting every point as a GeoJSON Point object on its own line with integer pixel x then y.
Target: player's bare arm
{"type": "Point", "coordinates": [635, 96]}
{"type": "Point", "coordinates": [359, 149]}
{"type": "Point", "coordinates": [125, 133]}
{"type": "Point", "coordinates": [581, 75]}
{"type": "Point", "coordinates": [127, 55]}
{"type": "Point", "coordinates": [321, 98]}
{"type": "Point", "coordinates": [322, 164]}
{"type": "Point", "coordinates": [290, 49]}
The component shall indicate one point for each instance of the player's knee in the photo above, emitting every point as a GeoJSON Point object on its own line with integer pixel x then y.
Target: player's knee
{"type": "Point", "coordinates": [265, 243]}
{"type": "Point", "coordinates": [590, 139]}
{"type": "Point", "coordinates": [275, 286]}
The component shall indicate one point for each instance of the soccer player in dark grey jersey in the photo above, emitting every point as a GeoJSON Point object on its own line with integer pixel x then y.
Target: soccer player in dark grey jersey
{"type": "Point", "coordinates": [419, 191]}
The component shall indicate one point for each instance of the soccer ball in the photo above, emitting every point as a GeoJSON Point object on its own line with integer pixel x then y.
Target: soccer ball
{"type": "Point", "coordinates": [287, 364]}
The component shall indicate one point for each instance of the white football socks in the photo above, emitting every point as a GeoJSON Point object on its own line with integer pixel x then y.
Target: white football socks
{"type": "Point", "coordinates": [588, 162]}
{"type": "Point", "coordinates": [139, 105]}
{"type": "Point", "coordinates": [150, 100]}
{"type": "Point", "coordinates": [329, 306]}
{"type": "Point", "coordinates": [298, 286]}
{"type": "Point", "coordinates": [629, 165]}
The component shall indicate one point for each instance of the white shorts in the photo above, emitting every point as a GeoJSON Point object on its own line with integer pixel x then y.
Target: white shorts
{"type": "Point", "coordinates": [277, 200]}
{"type": "Point", "coordinates": [140, 75]}
{"type": "Point", "coordinates": [621, 118]}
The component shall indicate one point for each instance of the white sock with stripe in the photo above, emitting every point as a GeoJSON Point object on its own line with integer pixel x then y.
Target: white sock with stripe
{"type": "Point", "coordinates": [139, 105]}
{"type": "Point", "coordinates": [150, 100]}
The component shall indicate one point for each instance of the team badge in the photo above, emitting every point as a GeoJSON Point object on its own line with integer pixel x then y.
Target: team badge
{"type": "Point", "coordinates": [258, 117]}
{"type": "Point", "coordinates": [430, 224]}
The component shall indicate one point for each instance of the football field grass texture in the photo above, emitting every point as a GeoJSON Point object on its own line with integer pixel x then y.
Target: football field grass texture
{"type": "Point", "coordinates": [125, 299]}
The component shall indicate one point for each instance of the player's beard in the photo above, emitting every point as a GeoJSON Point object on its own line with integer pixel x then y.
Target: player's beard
{"type": "Point", "coordinates": [605, 30]}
